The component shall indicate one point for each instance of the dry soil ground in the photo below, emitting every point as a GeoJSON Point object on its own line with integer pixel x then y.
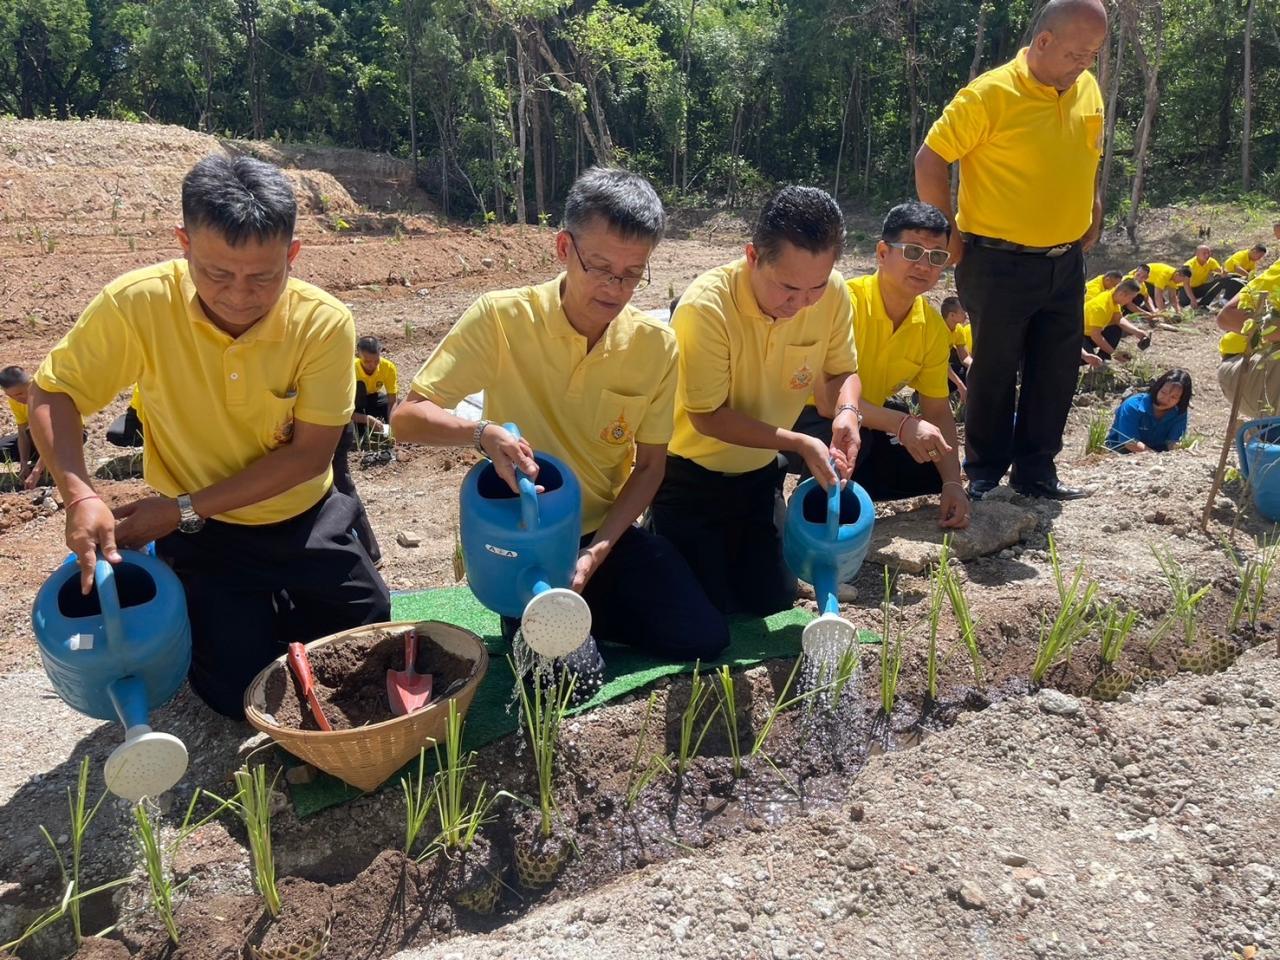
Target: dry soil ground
{"type": "Point", "coordinates": [1045, 826]}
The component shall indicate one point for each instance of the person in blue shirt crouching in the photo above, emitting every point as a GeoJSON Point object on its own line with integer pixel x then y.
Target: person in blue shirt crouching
{"type": "Point", "coordinates": [1154, 420]}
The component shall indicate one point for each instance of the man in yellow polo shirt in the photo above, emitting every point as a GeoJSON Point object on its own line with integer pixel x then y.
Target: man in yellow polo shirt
{"type": "Point", "coordinates": [758, 337]}
{"type": "Point", "coordinates": [1028, 138]}
{"type": "Point", "coordinates": [1104, 322]}
{"type": "Point", "coordinates": [17, 447]}
{"type": "Point", "coordinates": [1103, 281]}
{"type": "Point", "coordinates": [1161, 285]}
{"type": "Point", "coordinates": [1205, 274]}
{"type": "Point", "coordinates": [377, 382]}
{"type": "Point", "coordinates": [957, 320]}
{"type": "Point", "coordinates": [589, 379]}
{"type": "Point", "coordinates": [248, 381]}
{"type": "Point", "coordinates": [1239, 268]}
{"type": "Point", "coordinates": [1261, 396]}
{"type": "Point", "coordinates": [903, 342]}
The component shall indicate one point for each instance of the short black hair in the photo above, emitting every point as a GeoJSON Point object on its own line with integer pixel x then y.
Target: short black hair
{"type": "Point", "coordinates": [1178, 377]}
{"type": "Point", "coordinates": [369, 345]}
{"type": "Point", "coordinates": [914, 215]}
{"type": "Point", "coordinates": [805, 217]}
{"type": "Point", "coordinates": [239, 197]}
{"type": "Point", "coordinates": [1128, 286]}
{"type": "Point", "coordinates": [950, 305]}
{"type": "Point", "coordinates": [13, 377]}
{"type": "Point", "coordinates": [1142, 266]}
{"type": "Point", "coordinates": [1260, 247]}
{"type": "Point", "coordinates": [1117, 274]}
{"type": "Point", "coordinates": [1182, 271]}
{"type": "Point", "coordinates": [625, 201]}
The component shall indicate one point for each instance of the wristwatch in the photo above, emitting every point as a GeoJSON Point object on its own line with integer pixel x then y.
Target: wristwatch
{"type": "Point", "coordinates": [849, 406]}
{"type": "Point", "coordinates": [190, 521]}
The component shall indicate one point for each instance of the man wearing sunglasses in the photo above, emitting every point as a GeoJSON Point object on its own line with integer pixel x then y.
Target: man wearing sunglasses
{"type": "Point", "coordinates": [591, 380]}
{"type": "Point", "coordinates": [903, 342]}
{"type": "Point", "coordinates": [757, 337]}
{"type": "Point", "coordinates": [1028, 137]}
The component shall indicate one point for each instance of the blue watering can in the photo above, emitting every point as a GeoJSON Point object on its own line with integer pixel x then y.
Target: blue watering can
{"type": "Point", "coordinates": [825, 538]}
{"type": "Point", "coordinates": [1258, 443]}
{"type": "Point", "coordinates": [118, 653]}
{"type": "Point", "coordinates": [520, 551]}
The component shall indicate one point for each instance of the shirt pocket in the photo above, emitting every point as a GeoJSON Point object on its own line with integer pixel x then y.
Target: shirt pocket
{"type": "Point", "coordinates": [275, 419]}
{"type": "Point", "coordinates": [801, 366]}
{"type": "Point", "coordinates": [1093, 133]}
{"type": "Point", "coordinates": [617, 417]}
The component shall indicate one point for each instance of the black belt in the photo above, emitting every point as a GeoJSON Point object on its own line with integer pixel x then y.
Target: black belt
{"type": "Point", "coordinates": [1007, 246]}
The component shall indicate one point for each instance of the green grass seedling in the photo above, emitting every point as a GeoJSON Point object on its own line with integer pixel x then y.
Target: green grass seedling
{"type": "Point", "coordinates": [81, 816]}
{"type": "Point", "coordinates": [158, 878]}
{"type": "Point", "coordinates": [1255, 572]}
{"type": "Point", "coordinates": [639, 778]}
{"type": "Point", "coordinates": [964, 619]}
{"type": "Point", "coordinates": [691, 743]}
{"type": "Point", "coordinates": [542, 712]}
{"type": "Point", "coordinates": [460, 821]}
{"type": "Point", "coordinates": [1185, 600]}
{"type": "Point", "coordinates": [937, 597]}
{"type": "Point", "coordinates": [1073, 622]}
{"type": "Point", "coordinates": [419, 799]}
{"type": "Point", "coordinates": [252, 804]}
{"type": "Point", "coordinates": [1096, 439]}
{"type": "Point", "coordinates": [726, 696]}
{"type": "Point", "coordinates": [1115, 632]}
{"type": "Point", "coordinates": [891, 655]}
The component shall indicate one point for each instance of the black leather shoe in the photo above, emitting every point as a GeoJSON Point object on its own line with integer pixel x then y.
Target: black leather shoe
{"type": "Point", "coordinates": [980, 488]}
{"type": "Point", "coordinates": [1052, 489]}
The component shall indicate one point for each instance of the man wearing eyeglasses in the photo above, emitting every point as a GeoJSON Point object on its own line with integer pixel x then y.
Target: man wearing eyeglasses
{"type": "Point", "coordinates": [903, 342]}
{"type": "Point", "coordinates": [591, 380]}
{"type": "Point", "coordinates": [757, 337]}
{"type": "Point", "coordinates": [1028, 138]}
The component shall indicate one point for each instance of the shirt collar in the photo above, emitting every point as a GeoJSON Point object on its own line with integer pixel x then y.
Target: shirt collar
{"type": "Point", "coordinates": [550, 308]}
{"type": "Point", "coordinates": [1033, 86]}
{"type": "Point", "coordinates": [878, 310]}
{"type": "Point", "coordinates": [270, 328]}
{"type": "Point", "coordinates": [744, 298]}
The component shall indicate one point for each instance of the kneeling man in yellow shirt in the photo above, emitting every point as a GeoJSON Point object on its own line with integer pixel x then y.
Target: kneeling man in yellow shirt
{"type": "Point", "coordinates": [758, 336]}
{"type": "Point", "coordinates": [591, 380]}
{"type": "Point", "coordinates": [903, 342]}
{"type": "Point", "coordinates": [248, 380]}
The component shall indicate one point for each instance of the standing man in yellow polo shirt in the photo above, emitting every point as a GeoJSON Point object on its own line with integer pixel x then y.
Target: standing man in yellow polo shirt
{"type": "Point", "coordinates": [248, 380]}
{"type": "Point", "coordinates": [758, 337]}
{"type": "Point", "coordinates": [1028, 138]}
{"type": "Point", "coordinates": [589, 379]}
{"type": "Point", "coordinates": [17, 447]}
{"type": "Point", "coordinates": [903, 342]}
{"type": "Point", "coordinates": [1261, 397]}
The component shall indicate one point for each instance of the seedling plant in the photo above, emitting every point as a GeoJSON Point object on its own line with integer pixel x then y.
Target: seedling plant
{"type": "Point", "coordinates": [252, 804]}
{"type": "Point", "coordinates": [542, 712]}
{"type": "Point", "coordinates": [1115, 633]}
{"type": "Point", "coordinates": [690, 742]}
{"type": "Point", "coordinates": [639, 778]}
{"type": "Point", "coordinates": [891, 655]}
{"type": "Point", "coordinates": [1073, 622]}
{"type": "Point", "coordinates": [1185, 600]}
{"type": "Point", "coordinates": [727, 702]}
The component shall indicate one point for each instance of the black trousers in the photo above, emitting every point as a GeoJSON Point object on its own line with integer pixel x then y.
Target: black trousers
{"type": "Point", "coordinates": [1110, 333]}
{"type": "Point", "coordinates": [9, 448]}
{"type": "Point", "coordinates": [645, 596]}
{"type": "Point", "coordinates": [884, 468]}
{"type": "Point", "coordinates": [1025, 311]}
{"type": "Point", "coordinates": [251, 590]}
{"type": "Point", "coordinates": [726, 528]}
{"type": "Point", "coordinates": [343, 483]}
{"type": "Point", "coordinates": [370, 404]}
{"type": "Point", "coordinates": [125, 430]}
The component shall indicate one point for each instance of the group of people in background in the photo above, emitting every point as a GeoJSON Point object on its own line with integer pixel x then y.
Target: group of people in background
{"type": "Point", "coordinates": [680, 434]}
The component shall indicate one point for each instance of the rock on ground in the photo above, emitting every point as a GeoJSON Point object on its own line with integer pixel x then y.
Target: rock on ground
{"type": "Point", "coordinates": [911, 541]}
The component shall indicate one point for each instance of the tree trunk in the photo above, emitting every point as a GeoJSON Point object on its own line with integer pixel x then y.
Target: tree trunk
{"type": "Point", "coordinates": [499, 207]}
{"type": "Point", "coordinates": [444, 167]}
{"type": "Point", "coordinates": [978, 35]}
{"type": "Point", "coordinates": [1248, 94]}
{"type": "Point", "coordinates": [602, 149]}
{"type": "Point", "coordinates": [682, 142]}
{"type": "Point", "coordinates": [249, 11]}
{"type": "Point", "coordinates": [1150, 67]}
{"type": "Point", "coordinates": [519, 124]}
{"type": "Point", "coordinates": [913, 91]}
{"type": "Point", "coordinates": [535, 132]}
{"type": "Point", "coordinates": [844, 130]}
{"type": "Point", "coordinates": [1113, 91]}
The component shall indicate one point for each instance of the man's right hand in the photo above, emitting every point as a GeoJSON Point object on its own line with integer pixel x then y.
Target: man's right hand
{"type": "Point", "coordinates": [508, 454]}
{"type": "Point", "coordinates": [817, 457]}
{"type": "Point", "coordinates": [90, 527]}
{"type": "Point", "coordinates": [955, 245]}
{"type": "Point", "coordinates": [924, 441]}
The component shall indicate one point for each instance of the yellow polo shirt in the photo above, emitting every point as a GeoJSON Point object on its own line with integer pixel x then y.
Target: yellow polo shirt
{"type": "Point", "coordinates": [915, 355]}
{"type": "Point", "coordinates": [215, 404]}
{"type": "Point", "coordinates": [1201, 272]}
{"type": "Point", "coordinates": [1099, 311]}
{"type": "Point", "coordinates": [1094, 287]}
{"type": "Point", "coordinates": [1240, 261]}
{"type": "Point", "coordinates": [1161, 277]}
{"type": "Point", "coordinates": [962, 336]}
{"type": "Point", "coordinates": [589, 408]}
{"type": "Point", "coordinates": [19, 411]}
{"type": "Point", "coordinates": [1268, 282]}
{"type": "Point", "coordinates": [1028, 155]}
{"type": "Point", "coordinates": [731, 353]}
{"type": "Point", "coordinates": [383, 379]}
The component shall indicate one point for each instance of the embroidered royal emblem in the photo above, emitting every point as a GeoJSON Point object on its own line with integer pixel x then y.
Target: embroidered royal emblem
{"type": "Point", "coordinates": [617, 432]}
{"type": "Point", "coordinates": [283, 434]}
{"type": "Point", "coordinates": [802, 379]}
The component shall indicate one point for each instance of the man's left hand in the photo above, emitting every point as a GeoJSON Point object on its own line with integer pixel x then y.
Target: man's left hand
{"type": "Point", "coordinates": [142, 521]}
{"type": "Point", "coordinates": [953, 507]}
{"type": "Point", "coordinates": [845, 440]}
{"type": "Point", "coordinates": [1090, 239]}
{"type": "Point", "coordinates": [589, 561]}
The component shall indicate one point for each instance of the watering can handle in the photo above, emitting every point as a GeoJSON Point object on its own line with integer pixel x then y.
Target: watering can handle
{"type": "Point", "coordinates": [528, 492]}
{"type": "Point", "coordinates": [833, 509]}
{"type": "Point", "coordinates": [104, 579]}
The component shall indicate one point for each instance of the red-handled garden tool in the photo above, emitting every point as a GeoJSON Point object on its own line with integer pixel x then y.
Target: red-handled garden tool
{"type": "Point", "coordinates": [408, 690]}
{"type": "Point", "coordinates": [301, 668]}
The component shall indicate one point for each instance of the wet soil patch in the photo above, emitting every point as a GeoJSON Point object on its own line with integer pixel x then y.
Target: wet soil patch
{"type": "Point", "coordinates": [351, 680]}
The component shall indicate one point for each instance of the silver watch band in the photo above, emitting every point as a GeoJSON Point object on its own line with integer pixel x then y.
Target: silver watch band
{"type": "Point", "coordinates": [479, 435]}
{"type": "Point", "coordinates": [849, 406]}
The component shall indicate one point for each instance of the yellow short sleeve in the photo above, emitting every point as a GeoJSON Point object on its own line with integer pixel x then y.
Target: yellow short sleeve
{"type": "Point", "coordinates": [390, 376]}
{"type": "Point", "coordinates": [659, 419]}
{"type": "Point", "coordinates": [932, 380]}
{"type": "Point", "coordinates": [963, 125]}
{"type": "Point", "coordinates": [99, 357]}
{"type": "Point", "coordinates": [326, 378]}
{"type": "Point", "coordinates": [842, 355]}
{"type": "Point", "coordinates": [703, 342]}
{"type": "Point", "coordinates": [464, 362]}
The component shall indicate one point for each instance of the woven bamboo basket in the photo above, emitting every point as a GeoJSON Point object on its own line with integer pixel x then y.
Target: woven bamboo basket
{"type": "Point", "coordinates": [365, 757]}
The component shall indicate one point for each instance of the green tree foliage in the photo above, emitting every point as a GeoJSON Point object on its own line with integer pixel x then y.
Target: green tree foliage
{"type": "Point", "coordinates": [715, 100]}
